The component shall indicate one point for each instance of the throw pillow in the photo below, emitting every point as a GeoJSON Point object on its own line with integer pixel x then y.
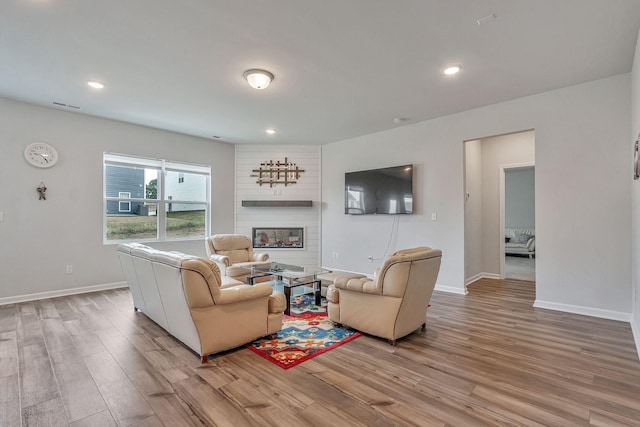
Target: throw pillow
{"type": "Point", "coordinates": [522, 238]}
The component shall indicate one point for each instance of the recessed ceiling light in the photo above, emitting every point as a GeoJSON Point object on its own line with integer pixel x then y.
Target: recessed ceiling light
{"type": "Point", "coordinates": [449, 71]}
{"type": "Point", "coordinates": [95, 84]}
{"type": "Point", "coordinates": [270, 131]}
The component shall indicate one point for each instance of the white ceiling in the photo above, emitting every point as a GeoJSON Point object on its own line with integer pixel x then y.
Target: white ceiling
{"type": "Point", "coordinates": [343, 68]}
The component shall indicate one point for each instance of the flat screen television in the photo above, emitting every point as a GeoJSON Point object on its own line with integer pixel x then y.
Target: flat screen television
{"type": "Point", "coordinates": [379, 191]}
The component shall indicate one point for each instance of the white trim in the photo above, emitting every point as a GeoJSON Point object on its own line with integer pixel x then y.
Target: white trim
{"type": "Point", "coordinates": [451, 289]}
{"type": "Point", "coordinates": [61, 293]}
{"type": "Point", "coordinates": [481, 276]}
{"type": "Point", "coordinates": [587, 311]}
{"type": "Point", "coordinates": [635, 329]}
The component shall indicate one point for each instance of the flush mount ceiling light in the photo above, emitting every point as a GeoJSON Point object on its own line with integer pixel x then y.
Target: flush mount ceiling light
{"type": "Point", "coordinates": [258, 79]}
{"type": "Point", "coordinates": [271, 131]}
{"type": "Point", "coordinates": [95, 84]}
{"type": "Point", "coordinates": [449, 71]}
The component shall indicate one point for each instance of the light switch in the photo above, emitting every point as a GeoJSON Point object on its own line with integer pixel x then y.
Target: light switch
{"type": "Point", "coordinates": [434, 216]}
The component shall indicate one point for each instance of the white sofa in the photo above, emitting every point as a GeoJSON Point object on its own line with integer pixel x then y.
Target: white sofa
{"type": "Point", "coordinates": [520, 241]}
{"type": "Point", "coordinates": [186, 296]}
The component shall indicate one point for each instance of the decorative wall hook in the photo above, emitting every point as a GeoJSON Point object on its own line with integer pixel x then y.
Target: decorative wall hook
{"type": "Point", "coordinates": [42, 191]}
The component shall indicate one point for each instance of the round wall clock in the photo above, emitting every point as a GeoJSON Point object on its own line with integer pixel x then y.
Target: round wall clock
{"type": "Point", "coordinates": [41, 154]}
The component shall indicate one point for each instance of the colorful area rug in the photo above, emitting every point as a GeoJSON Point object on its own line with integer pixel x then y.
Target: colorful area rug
{"type": "Point", "coordinates": [305, 334]}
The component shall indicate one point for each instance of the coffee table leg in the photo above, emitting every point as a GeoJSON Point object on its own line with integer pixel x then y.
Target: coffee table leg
{"type": "Point", "coordinates": [287, 296]}
{"type": "Point", "coordinates": [317, 287]}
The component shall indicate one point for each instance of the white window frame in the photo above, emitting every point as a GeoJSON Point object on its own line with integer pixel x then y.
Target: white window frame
{"type": "Point", "coordinates": [162, 166]}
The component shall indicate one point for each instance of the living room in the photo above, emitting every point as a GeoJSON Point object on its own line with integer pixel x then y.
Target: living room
{"type": "Point", "coordinates": [587, 217]}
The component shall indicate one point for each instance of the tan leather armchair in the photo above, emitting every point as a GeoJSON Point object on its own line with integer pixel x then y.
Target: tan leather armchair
{"type": "Point", "coordinates": [392, 304]}
{"type": "Point", "coordinates": [234, 255]}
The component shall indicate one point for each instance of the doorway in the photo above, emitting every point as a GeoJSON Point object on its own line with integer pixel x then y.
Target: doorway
{"type": "Point", "coordinates": [486, 161]}
{"type": "Point", "coordinates": [517, 209]}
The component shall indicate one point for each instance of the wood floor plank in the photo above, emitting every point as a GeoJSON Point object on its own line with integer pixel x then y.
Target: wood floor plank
{"type": "Point", "coordinates": [10, 409]}
{"type": "Point", "coordinates": [8, 319]}
{"type": "Point", "coordinates": [210, 405]}
{"type": "Point", "coordinates": [79, 393]}
{"type": "Point", "coordinates": [161, 397]}
{"type": "Point", "coordinates": [124, 401]}
{"type": "Point", "coordinates": [101, 419]}
{"type": "Point", "coordinates": [44, 414]}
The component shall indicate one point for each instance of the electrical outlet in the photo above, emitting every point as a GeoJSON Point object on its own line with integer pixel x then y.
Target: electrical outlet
{"type": "Point", "coordinates": [69, 269]}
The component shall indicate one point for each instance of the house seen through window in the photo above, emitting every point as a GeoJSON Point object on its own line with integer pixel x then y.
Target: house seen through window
{"type": "Point", "coordinates": [154, 199]}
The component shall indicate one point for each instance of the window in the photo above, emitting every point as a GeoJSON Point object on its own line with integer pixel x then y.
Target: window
{"type": "Point", "coordinates": [154, 199]}
{"type": "Point", "coordinates": [124, 206]}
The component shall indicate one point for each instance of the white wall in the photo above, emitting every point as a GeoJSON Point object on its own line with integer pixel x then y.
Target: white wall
{"type": "Point", "coordinates": [473, 210]}
{"type": "Point", "coordinates": [39, 238]}
{"type": "Point", "coordinates": [635, 195]}
{"type": "Point", "coordinates": [520, 198]}
{"type": "Point", "coordinates": [497, 152]}
{"type": "Point", "coordinates": [582, 193]}
{"type": "Point", "coordinates": [249, 157]}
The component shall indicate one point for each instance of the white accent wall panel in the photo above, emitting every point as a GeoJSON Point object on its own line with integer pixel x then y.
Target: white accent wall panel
{"type": "Point", "coordinates": [249, 157]}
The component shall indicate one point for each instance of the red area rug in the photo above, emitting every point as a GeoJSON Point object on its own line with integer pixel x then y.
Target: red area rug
{"type": "Point", "coordinates": [305, 334]}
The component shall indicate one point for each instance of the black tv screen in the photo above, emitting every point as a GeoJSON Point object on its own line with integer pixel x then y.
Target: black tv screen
{"type": "Point", "coordinates": [379, 191]}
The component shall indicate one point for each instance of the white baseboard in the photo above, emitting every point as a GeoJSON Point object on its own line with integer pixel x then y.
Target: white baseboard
{"type": "Point", "coordinates": [587, 311]}
{"type": "Point", "coordinates": [635, 328]}
{"type": "Point", "coordinates": [481, 276]}
{"type": "Point", "coordinates": [450, 289]}
{"type": "Point", "coordinates": [61, 293]}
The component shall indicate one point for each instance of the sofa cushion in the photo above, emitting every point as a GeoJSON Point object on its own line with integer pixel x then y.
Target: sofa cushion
{"type": "Point", "coordinates": [522, 238]}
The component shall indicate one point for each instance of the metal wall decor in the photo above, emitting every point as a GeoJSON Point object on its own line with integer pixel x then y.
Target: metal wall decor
{"type": "Point", "coordinates": [636, 160]}
{"type": "Point", "coordinates": [277, 172]}
{"type": "Point", "coordinates": [42, 190]}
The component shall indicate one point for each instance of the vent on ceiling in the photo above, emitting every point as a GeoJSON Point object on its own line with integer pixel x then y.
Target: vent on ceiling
{"type": "Point", "coordinates": [60, 104]}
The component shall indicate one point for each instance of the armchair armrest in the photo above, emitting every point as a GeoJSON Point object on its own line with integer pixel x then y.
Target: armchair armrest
{"type": "Point", "coordinates": [220, 259]}
{"type": "Point", "coordinates": [363, 285]}
{"type": "Point", "coordinates": [277, 302]}
{"type": "Point", "coordinates": [260, 256]}
{"type": "Point", "coordinates": [241, 293]}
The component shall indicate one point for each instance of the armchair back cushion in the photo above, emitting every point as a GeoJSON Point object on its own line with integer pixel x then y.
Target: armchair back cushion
{"type": "Point", "coordinates": [233, 253]}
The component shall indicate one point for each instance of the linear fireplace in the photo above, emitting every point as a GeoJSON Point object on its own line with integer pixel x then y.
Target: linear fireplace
{"type": "Point", "coordinates": [278, 238]}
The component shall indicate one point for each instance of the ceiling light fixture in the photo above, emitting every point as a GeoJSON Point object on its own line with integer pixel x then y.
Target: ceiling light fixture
{"type": "Point", "coordinates": [449, 71]}
{"type": "Point", "coordinates": [258, 79]}
{"type": "Point", "coordinates": [271, 131]}
{"type": "Point", "coordinates": [95, 84]}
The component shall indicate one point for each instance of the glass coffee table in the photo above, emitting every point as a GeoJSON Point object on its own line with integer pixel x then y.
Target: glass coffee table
{"type": "Point", "coordinates": [289, 277]}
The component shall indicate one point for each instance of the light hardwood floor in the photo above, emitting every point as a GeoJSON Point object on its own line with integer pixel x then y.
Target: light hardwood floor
{"type": "Point", "coordinates": [488, 358]}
